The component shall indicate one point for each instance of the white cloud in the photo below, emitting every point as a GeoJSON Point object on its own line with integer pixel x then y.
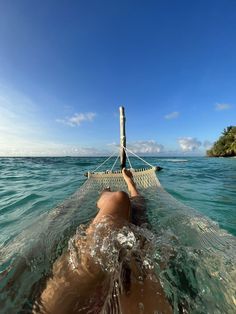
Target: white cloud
{"type": "Point", "coordinates": [172, 115]}
{"type": "Point", "coordinates": [24, 133]}
{"type": "Point", "coordinates": [24, 147]}
{"type": "Point", "coordinates": [77, 119]}
{"type": "Point", "coordinates": [189, 144]}
{"type": "Point", "coordinates": [207, 144]}
{"type": "Point", "coordinates": [145, 147]}
{"type": "Point", "coordinates": [141, 147]}
{"type": "Point", "coordinates": [220, 107]}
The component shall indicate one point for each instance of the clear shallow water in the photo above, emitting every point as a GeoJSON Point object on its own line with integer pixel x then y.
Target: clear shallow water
{"type": "Point", "coordinates": [31, 187]}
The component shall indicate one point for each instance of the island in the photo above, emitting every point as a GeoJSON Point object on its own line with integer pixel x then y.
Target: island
{"type": "Point", "coordinates": [225, 146]}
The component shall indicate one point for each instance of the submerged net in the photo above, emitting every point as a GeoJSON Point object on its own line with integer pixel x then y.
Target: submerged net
{"type": "Point", "coordinates": [194, 259]}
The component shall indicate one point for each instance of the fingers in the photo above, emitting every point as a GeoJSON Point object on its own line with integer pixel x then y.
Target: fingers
{"type": "Point", "coordinates": [127, 173]}
{"type": "Point", "coordinates": [124, 170]}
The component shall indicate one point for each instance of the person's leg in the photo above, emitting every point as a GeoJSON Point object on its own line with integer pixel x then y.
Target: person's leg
{"type": "Point", "coordinates": [113, 204]}
{"type": "Point", "coordinates": [128, 177]}
{"type": "Point", "coordinates": [138, 204]}
{"type": "Point", "coordinates": [71, 289]}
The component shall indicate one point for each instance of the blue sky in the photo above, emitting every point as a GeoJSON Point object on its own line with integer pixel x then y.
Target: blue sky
{"type": "Point", "coordinates": [67, 66]}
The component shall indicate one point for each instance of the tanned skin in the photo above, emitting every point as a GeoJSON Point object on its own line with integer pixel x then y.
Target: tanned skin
{"type": "Point", "coordinates": [68, 290]}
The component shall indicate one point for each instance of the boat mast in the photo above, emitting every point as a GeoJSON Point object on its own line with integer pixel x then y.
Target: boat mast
{"type": "Point", "coordinates": [122, 138]}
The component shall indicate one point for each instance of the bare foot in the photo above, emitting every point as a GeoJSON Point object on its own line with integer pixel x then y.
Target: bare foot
{"type": "Point", "coordinates": [128, 177]}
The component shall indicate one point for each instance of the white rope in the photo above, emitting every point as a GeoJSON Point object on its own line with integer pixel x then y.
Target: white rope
{"type": "Point", "coordinates": [128, 160]}
{"type": "Point", "coordinates": [114, 163]}
{"type": "Point", "coordinates": [139, 157]}
{"type": "Point", "coordinates": [104, 162]}
{"type": "Point", "coordinates": [126, 151]}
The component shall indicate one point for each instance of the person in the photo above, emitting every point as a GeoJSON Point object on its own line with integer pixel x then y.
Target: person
{"type": "Point", "coordinates": [85, 287]}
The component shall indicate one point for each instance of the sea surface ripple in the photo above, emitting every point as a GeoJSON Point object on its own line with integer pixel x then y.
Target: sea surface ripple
{"type": "Point", "coordinates": [33, 193]}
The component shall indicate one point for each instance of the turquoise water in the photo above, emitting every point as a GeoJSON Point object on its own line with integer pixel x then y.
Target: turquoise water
{"type": "Point", "coordinates": [30, 189]}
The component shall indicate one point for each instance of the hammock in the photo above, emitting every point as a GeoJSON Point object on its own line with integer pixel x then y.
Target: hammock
{"type": "Point", "coordinates": [143, 179]}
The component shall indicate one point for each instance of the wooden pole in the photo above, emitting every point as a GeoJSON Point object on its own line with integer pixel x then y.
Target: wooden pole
{"type": "Point", "coordinates": [122, 138]}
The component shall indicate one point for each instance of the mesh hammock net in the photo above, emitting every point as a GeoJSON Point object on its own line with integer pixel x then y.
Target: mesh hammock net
{"type": "Point", "coordinates": [204, 253]}
{"type": "Point", "coordinates": [143, 179]}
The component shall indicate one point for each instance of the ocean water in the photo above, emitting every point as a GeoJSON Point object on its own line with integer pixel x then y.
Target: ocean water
{"type": "Point", "coordinates": [204, 194]}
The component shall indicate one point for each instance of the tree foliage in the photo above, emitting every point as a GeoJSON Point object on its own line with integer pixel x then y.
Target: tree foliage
{"type": "Point", "coordinates": [226, 144]}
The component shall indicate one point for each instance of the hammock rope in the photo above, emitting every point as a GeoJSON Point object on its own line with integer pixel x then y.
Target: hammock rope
{"type": "Point", "coordinates": [127, 155]}
{"type": "Point", "coordinates": [114, 163]}
{"type": "Point", "coordinates": [128, 158]}
{"type": "Point", "coordinates": [104, 162]}
{"type": "Point", "coordinates": [126, 149]}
